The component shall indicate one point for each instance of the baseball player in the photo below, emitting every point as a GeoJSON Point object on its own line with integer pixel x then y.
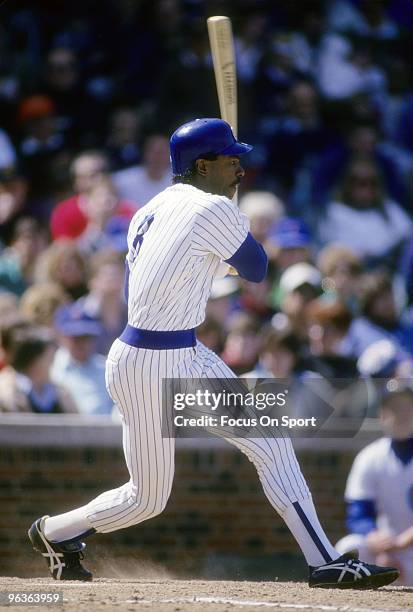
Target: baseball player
{"type": "Point", "coordinates": [379, 491]}
{"type": "Point", "coordinates": [177, 245]}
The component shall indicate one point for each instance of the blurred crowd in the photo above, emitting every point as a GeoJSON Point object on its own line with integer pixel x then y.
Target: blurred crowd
{"type": "Point", "coordinates": [88, 98]}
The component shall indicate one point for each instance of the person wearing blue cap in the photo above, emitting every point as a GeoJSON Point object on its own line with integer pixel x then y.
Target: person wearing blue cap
{"type": "Point", "coordinates": [289, 243]}
{"type": "Point", "coordinates": [76, 367]}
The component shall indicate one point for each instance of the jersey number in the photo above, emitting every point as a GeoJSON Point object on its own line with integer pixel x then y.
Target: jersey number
{"type": "Point", "coordinates": [141, 231]}
{"type": "Point", "coordinates": [137, 243]}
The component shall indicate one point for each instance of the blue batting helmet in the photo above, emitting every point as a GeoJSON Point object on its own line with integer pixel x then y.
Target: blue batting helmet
{"type": "Point", "coordinates": [201, 137]}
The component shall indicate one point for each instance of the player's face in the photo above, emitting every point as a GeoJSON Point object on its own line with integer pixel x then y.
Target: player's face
{"type": "Point", "coordinates": [224, 174]}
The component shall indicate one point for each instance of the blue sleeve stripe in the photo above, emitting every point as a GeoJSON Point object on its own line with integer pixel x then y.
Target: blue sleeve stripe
{"type": "Point", "coordinates": [250, 260]}
{"type": "Point", "coordinates": [361, 516]}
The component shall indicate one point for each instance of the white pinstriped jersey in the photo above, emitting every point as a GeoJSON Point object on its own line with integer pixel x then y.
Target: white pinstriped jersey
{"type": "Point", "coordinates": [377, 474]}
{"type": "Point", "coordinates": [175, 245]}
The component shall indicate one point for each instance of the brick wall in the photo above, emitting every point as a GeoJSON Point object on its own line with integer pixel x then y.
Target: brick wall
{"type": "Point", "coordinates": [217, 512]}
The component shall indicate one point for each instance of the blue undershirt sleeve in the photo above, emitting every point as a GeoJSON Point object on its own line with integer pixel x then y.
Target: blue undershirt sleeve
{"type": "Point", "coordinates": [250, 260]}
{"type": "Point", "coordinates": [361, 516]}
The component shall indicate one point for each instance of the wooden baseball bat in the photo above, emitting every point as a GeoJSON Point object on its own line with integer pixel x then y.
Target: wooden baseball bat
{"type": "Point", "coordinates": [223, 56]}
{"type": "Point", "coordinates": [221, 40]}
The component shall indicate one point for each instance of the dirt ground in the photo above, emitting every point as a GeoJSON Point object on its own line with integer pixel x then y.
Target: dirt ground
{"type": "Point", "coordinates": [168, 595]}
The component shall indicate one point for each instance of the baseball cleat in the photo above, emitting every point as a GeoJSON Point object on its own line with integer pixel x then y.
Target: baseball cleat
{"type": "Point", "coordinates": [347, 572]}
{"type": "Point", "coordinates": [63, 558]}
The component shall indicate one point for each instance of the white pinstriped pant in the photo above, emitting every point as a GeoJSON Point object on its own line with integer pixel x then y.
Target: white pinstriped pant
{"type": "Point", "coordinates": [134, 381]}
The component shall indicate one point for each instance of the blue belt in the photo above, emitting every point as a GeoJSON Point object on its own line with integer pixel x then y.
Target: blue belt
{"type": "Point", "coordinates": [158, 340]}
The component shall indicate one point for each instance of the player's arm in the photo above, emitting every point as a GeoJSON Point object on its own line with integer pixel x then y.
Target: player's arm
{"type": "Point", "coordinates": [361, 516]}
{"type": "Point", "coordinates": [361, 498]}
{"type": "Point", "coordinates": [360, 494]}
{"type": "Point", "coordinates": [250, 260]}
{"type": "Point", "coordinates": [220, 228]}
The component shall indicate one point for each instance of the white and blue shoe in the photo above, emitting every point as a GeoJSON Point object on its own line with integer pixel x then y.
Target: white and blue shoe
{"type": "Point", "coordinates": [348, 572]}
{"type": "Point", "coordinates": [63, 558]}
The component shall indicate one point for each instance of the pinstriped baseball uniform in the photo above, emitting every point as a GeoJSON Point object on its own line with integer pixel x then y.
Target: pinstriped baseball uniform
{"type": "Point", "coordinates": [176, 243]}
{"type": "Point", "coordinates": [172, 267]}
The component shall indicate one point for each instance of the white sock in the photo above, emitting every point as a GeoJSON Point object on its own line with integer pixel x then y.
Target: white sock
{"type": "Point", "coordinates": [302, 521]}
{"type": "Point", "coordinates": [66, 526]}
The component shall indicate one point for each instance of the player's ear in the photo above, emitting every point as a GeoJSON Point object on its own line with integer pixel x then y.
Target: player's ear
{"type": "Point", "coordinates": [201, 166]}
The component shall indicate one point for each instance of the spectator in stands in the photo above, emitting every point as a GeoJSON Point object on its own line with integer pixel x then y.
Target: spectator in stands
{"type": "Point", "coordinates": [299, 284]}
{"type": "Point", "coordinates": [40, 301]}
{"type": "Point", "coordinates": [69, 219]}
{"type": "Point", "coordinates": [40, 141]}
{"type": "Point", "coordinates": [276, 74]}
{"type": "Point", "coordinates": [9, 323]}
{"type": "Point", "coordinates": [346, 70]}
{"type": "Point", "coordinates": [255, 299]}
{"type": "Point", "coordinates": [379, 362]}
{"type": "Point", "coordinates": [379, 319]}
{"type": "Point", "coordinates": [362, 141]}
{"type": "Point", "coordinates": [107, 219]}
{"type": "Point", "coordinates": [249, 44]}
{"type": "Point", "coordinates": [340, 391]}
{"type": "Point", "coordinates": [263, 209]}
{"type": "Point", "coordinates": [379, 489]}
{"type": "Point", "coordinates": [399, 74]}
{"type": "Point", "coordinates": [25, 384]}
{"type": "Point", "coordinates": [288, 243]}
{"type": "Point", "coordinates": [9, 304]}
{"type": "Point", "coordinates": [382, 360]}
{"type": "Point", "coordinates": [241, 344]}
{"type": "Point", "coordinates": [140, 184]}
{"type": "Point", "coordinates": [366, 19]}
{"type": "Point", "coordinates": [211, 333]}
{"type": "Point", "coordinates": [223, 300]}
{"type": "Point", "coordinates": [187, 87]}
{"type": "Point", "coordinates": [62, 84]}
{"type": "Point", "coordinates": [17, 262]}
{"type": "Point", "coordinates": [13, 191]}
{"type": "Point", "coordinates": [279, 354]}
{"type": "Point", "coordinates": [341, 270]}
{"type": "Point", "coordinates": [328, 322]}
{"type": "Point", "coordinates": [361, 203]}
{"type": "Point", "coordinates": [298, 136]}
{"type": "Point", "coordinates": [105, 300]}
{"type": "Point", "coordinates": [76, 366]}
{"type": "Point", "coordinates": [78, 111]}
{"type": "Point", "coordinates": [63, 263]}
{"type": "Point", "coordinates": [121, 145]}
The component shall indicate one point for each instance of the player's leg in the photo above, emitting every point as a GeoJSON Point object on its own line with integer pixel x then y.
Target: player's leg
{"type": "Point", "coordinates": [279, 473]}
{"type": "Point", "coordinates": [134, 380]}
{"type": "Point", "coordinates": [287, 491]}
